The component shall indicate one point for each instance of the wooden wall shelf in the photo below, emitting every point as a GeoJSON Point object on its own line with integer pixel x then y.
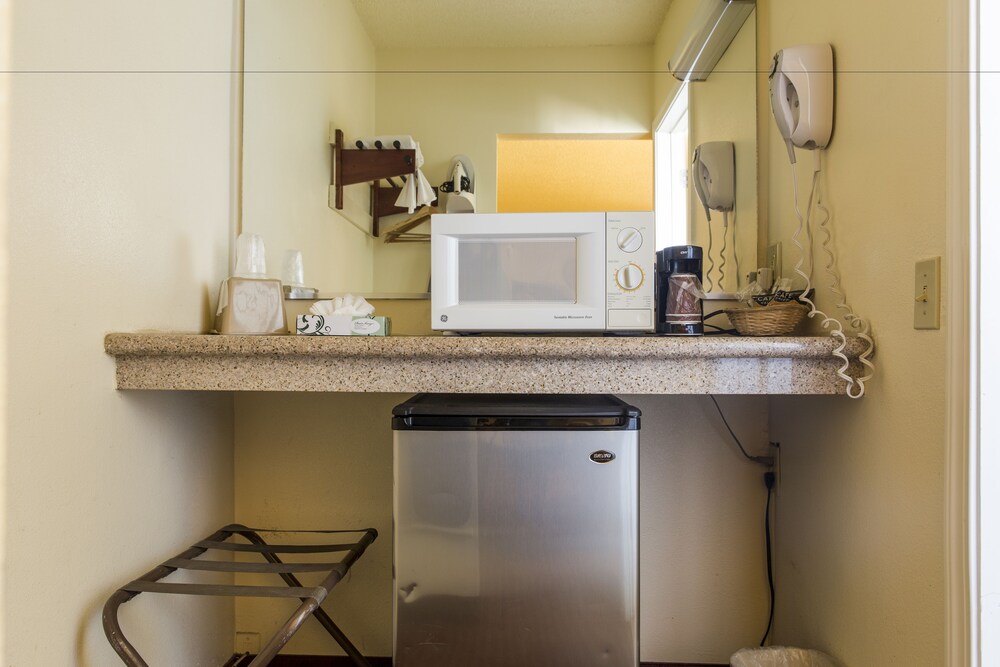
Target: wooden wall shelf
{"type": "Point", "coordinates": [357, 165]}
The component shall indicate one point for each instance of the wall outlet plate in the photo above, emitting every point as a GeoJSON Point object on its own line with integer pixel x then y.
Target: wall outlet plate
{"type": "Point", "coordinates": [247, 642]}
{"type": "Point", "coordinates": [927, 294]}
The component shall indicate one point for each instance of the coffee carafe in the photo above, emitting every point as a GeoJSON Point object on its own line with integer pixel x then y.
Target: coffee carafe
{"type": "Point", "coordinates": [679, 308]}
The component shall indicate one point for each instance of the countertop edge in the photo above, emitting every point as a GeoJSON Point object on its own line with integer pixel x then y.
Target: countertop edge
{"type": "Point", "coordinates": [470, 347]}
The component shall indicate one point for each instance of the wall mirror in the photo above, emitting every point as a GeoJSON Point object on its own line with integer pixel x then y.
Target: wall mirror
{"type": "Point", "coordinates": [456, 76]}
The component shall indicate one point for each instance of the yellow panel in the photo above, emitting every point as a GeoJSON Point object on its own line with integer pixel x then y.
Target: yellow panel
{"type": "Point", "coordinates": [574, 174]}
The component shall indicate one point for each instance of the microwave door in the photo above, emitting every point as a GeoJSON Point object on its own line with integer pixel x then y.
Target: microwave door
{"type": "Point", "coordinates": [528, 271]}
{"type": "Point", "coordinates": [514, 273]}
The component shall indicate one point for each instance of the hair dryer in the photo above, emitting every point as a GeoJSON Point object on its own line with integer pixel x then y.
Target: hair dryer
{"type": "Point", "coordinates": [801, 82]}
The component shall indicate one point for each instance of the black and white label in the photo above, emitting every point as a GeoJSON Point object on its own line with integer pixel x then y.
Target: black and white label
{"type": "Point", "coordinates": [602, 456]}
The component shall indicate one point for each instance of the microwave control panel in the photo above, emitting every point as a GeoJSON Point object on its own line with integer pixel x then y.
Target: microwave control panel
{"type": "Point", "coordinates": [631, 263]}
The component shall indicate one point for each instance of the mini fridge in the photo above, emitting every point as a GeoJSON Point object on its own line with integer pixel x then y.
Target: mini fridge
{"type": "Point", "coordinates": [515, 531]}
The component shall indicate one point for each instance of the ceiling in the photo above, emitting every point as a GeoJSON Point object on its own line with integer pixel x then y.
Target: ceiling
{"type": "Point", "coordinates": [511, 23]}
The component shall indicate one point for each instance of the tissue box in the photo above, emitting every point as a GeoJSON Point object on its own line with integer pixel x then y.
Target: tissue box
{"type": "Point", "coordinates": [342, 325]}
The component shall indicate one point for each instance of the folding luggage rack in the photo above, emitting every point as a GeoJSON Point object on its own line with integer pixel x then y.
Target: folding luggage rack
{"type": "Point", "coordinates": [311, 597]}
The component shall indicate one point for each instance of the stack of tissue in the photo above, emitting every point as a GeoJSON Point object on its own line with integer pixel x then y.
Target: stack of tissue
{"type": "Point", "coordinates": [343, 305]}
{"type": "Point", "coordinates": [348, 315]}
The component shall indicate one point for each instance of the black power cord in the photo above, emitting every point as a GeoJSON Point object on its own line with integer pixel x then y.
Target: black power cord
{"type": "Point", "coordinates": [769, 479]}
{"type": "Point", "coordinates": [719, 331]}
{"type": "Point", "coordinates": [766, 461]}
{"type": "Point", "coordinates": [769, 483]}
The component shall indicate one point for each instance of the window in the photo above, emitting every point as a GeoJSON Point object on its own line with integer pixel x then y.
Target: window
{"type": "Point", "coordinates": [671, 172]}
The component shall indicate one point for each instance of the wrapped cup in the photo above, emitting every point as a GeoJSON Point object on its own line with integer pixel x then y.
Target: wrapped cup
{"type": "Point", "coordinates": [250, 261]}
{"type": "Point", "coordinates": [684, 295]}
{"type": "Point", "coordinates": [293, 272]}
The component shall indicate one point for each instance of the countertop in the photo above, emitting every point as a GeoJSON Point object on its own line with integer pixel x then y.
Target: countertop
{"type": "Point", "coordinates": [488, 364]}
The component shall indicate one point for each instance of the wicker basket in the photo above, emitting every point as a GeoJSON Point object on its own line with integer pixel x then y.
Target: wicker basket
{"type": "Point", "coordinates": [775, 319]}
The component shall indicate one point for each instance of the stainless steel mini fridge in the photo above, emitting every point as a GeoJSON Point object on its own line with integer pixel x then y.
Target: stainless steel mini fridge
{"type": "Point", "coordinates": [515, 531]}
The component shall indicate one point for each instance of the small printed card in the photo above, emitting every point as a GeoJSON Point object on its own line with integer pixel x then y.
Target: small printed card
{"type": "Point", "coordinates": [342, 325]}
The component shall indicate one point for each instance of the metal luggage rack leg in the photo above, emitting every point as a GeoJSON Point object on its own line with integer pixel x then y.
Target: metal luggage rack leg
{"type": "Point", "coordinates": [311, 597]}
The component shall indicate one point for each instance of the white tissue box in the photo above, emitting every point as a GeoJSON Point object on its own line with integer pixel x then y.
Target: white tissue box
{"type": "Point", "coordinates": [342, 325]}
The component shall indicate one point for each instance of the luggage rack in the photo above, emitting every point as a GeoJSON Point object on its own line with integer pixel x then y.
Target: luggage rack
{"type": "Point", "coordinates": [311, 596]}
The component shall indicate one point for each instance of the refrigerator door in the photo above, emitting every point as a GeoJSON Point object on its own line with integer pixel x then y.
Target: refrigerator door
{"type": "Point", "coordinates": [516, 548]}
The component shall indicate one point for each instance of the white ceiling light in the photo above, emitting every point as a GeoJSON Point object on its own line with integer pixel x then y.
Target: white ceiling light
{"type": "Point", "coordinates": [707, 37]}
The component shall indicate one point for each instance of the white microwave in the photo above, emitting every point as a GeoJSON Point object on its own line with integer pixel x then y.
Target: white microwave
{"type": "Point", "coordinates": [542, 272]}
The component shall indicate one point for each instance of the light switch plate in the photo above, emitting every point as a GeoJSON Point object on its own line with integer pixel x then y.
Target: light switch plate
{"type": "Point", "coordinates": [927, 294]}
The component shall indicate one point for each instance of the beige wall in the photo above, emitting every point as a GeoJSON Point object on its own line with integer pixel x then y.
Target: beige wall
{"type": "Point", "coordinates": [118, 216]}
{"type": "Point", "coordinates": [860, 511]}
{"type": "Point", "coordinates": [314, 460]}
{"type": "Point", "coordinates": [309, 63]}
{"type": "Point", "coordinates": [4, 156]}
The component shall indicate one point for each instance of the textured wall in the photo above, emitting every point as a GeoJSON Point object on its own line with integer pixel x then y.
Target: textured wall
{"type": "Point", "coordinates": [119, 212]}
{"type": "Point", "coordinates": [860, 510]}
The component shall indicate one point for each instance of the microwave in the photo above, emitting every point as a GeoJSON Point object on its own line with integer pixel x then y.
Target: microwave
{"type": "Point", "coordinates": [542, 272]}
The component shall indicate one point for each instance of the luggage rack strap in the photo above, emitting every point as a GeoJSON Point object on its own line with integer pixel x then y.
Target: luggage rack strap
{"type": "Point", "coordinates": [300, 592]}
{"type": "Point", "coordinates": [311, 597]}
{"type": "Point", "coordinates": [274, 548]}
{"type": "Point", "coordinates": [237, 566]}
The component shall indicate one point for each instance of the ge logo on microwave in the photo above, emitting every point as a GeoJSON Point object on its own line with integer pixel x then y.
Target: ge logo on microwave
{"type": "Point", "coordinates": [444, 318]}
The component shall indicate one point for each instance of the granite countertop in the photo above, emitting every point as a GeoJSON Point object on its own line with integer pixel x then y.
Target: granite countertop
{"type": "Point", "coordinates": [494, 364]}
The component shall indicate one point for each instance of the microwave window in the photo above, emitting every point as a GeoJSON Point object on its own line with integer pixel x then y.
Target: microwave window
{"type": "Point", "coordinates": [506, 270]}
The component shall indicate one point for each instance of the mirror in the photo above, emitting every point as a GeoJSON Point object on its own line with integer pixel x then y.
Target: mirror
{"type": "Point", "coordinates": [454, 77]}
{"type": "Point", "coordinates": [715, 120]}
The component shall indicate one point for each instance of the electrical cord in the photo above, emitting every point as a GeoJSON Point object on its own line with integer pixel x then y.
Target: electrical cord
{"type": "Point", "coordinates": [722, 253]}
{"type": "Point", "coordinates": [838, 329]}
{"type": "Point", "coordinates": [766, 461]}
{"type": "Point", "coordinates": [769, 483]}
{"type": "Point", "coordinates": [811, 260]}
{"type": "Point", "coordinates": [711, 262]}
{"type": "Point", "coordinates": [769, 479]}
{"type": "Point", "coordinates": [718, 330]}
{"type": "Point", "coordinates": [736, 248]}
{"type": "Point", "coordinates": [852, 318]}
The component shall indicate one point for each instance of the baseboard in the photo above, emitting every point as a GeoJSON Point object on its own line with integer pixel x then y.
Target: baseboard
{"type": "Point", "coordinates": [344, 661]}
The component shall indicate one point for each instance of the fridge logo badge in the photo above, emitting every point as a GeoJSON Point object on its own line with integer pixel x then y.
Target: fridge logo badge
{"type": "Point", "coordinates": [602, 456]}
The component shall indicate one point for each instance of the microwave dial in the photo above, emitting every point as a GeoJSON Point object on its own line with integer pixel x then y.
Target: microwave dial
{"type": "Point", "coordinates": [629, 277]}
{"type": "Point", "coordinates": [629, 239]}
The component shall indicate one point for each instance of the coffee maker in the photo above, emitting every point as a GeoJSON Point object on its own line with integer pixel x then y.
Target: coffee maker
{"type": "Point", "coordinates": [679, 309]}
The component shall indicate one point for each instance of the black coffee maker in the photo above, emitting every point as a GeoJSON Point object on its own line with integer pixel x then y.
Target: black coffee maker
{"type": "Point", "coordinates": [679, 309]}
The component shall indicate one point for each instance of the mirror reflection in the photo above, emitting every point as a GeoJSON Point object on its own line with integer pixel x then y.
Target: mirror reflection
{"type": "Point", "coordinates": [556, 105]}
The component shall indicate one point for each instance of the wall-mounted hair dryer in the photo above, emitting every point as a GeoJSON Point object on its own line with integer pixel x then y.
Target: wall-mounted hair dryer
{"type": "Point", "coordinates": [714, 175]}
{"type": "Point", "coordinates": [802, 95]}
{"type": "Point", "coordinates": [802, 101]}
{"type": "Point", "coordinates": [714, 168]}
